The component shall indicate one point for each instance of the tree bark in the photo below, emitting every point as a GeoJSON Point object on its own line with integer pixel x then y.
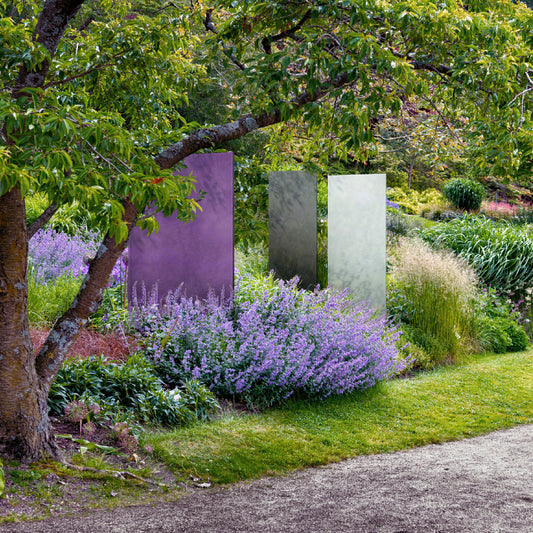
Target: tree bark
{"type": "Point", "coordinates": [25, 430]}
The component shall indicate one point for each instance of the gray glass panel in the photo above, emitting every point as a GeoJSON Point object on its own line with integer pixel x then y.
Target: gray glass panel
{"type": "Point", "coordinates": [292, 225]}
{"type": "Point", "coordinates": [357, 236]}
{"type": "Point", "coordinates": [198, 254]}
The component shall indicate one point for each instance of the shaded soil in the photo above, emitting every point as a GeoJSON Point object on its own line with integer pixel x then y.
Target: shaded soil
{"type": "Point", "coordinates": [50, 489]}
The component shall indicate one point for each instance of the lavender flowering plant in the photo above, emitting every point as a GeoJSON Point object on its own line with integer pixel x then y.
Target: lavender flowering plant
{"type": "Point", "coordinates": [264, 346]}
{"type": "Point", "coordinates": [53, 254]}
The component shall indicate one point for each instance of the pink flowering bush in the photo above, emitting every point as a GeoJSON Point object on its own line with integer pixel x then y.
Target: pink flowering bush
{"type": "Point", "coordinates": [499, 210]}
{"type": "Point", "coordinates": [264, 346]}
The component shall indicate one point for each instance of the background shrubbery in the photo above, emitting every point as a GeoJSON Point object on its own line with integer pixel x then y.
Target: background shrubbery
{"type": "Point", "coordinates": [272, 340]}
{"type": "Point", "coordinates": [464, 193]}
{"type": "Point", "coordinates": [499, 252]}
{"type": "Point", "coordinates": [412, 201]}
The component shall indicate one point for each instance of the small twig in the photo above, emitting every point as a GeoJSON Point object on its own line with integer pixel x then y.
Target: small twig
{"type": "Point", "coordinates": [115, 473]}
{"type": "Point", "coordinates": [523, 93]}
{"type": "Point", "coordinates": [110, 163]}
{"type": "Point", "coordinates": [209, 26]}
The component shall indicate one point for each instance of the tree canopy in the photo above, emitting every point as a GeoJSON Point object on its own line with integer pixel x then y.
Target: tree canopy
{"type": "Point", "coordinates": [100, 100]}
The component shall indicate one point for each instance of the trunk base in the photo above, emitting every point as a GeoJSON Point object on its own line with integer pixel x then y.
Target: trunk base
{"type": "Point", "coordinates": [30, 446]}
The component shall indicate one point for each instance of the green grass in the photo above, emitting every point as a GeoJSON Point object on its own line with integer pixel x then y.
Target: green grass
{"type": "Point", "coordinates": [480, 395]}
{"type": "Point", "coordinates": [419, 221]}
{"type": "Point", "coordinates": [48, 301]}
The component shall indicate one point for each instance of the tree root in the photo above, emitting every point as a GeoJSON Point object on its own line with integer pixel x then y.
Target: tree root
{"type": "Point", "coordinates": [114, 473]}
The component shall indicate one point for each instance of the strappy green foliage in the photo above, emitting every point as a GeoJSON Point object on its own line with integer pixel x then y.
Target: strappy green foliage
{"type": "Point", "coordinates": [500, 253]}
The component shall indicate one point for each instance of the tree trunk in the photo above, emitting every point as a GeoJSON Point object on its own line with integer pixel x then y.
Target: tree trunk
{"type": "Point", "coordinates": [69, 326]}
{"type": "Point", "coordinates": [410, 174]}
{"type": "Point", "coordinates": [25, 429]}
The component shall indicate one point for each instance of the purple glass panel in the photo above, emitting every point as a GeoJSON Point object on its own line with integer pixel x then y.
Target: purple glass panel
{"type": "Point", "coordinates": [198, 254]}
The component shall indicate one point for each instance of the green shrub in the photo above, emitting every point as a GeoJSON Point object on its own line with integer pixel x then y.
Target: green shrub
{"type": "Point", "coordinates": [519, 338]}
{"type": "Point", "coordinates": [424, 349]}
{"type": "Point", "coordinates": [497, 323]}
{"type": "Point", "coordinates": [128, 390]}
{"type": "Point", "coordinates": [492, 334]}
{"type": "Point", "coordinates": [499, 252]}
{"type": "Point", "coordinates": [412, 202]}
{"type": "Point", "coordinates": [464, 193]}
{"type": "Point", "coordinates": [397, 223]}
{"type": "Point", "coordinates": [433, 293]}
{"type": "Point", "coordinates": [500, 335]}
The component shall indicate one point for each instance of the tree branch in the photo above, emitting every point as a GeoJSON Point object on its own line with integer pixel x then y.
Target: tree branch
{"type": "Point", "coordinates": [68, 327]}
{"type": "Point", "coordinates": [209, 26]}
{"type": "Point", "coordinates": [210, 137]}
{"type": "Point", "coordinates": [266, 42]}
{"type": "Point", "coordinates": [52, 23]}
{"type": "Point", "coordinates": [439, 69]}
{"type": "Point", "coordinates": [37, 224]}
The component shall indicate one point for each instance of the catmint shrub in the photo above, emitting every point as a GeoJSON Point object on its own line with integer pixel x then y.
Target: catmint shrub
{"type": "Point", "coordinates": [53, 254]}
{"type": "Point", "coordinates": [263, 346]}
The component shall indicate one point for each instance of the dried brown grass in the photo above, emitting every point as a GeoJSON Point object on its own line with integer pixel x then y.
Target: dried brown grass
{"type": "Point", "coordinates": [112, 346]}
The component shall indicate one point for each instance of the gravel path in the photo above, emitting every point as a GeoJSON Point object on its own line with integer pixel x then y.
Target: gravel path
{"type": "Point", "coordinates": [483, 484]}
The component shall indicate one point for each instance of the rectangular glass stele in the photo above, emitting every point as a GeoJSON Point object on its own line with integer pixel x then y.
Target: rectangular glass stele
{"type": "Point", "coordinates": [197, 254]}
{"type": "Point", "coordinates": [292, 226]}
{"type": "Point", "coordinates": [357, 236]}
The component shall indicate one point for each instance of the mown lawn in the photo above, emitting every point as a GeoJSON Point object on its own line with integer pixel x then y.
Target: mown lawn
{"type": "Point", "coordinates": [482, 394]}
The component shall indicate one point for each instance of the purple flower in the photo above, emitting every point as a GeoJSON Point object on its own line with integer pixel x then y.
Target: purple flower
{"type": "Point", "coordinates": [264, 346]}
{"type": "Point", "coordinates": [53, 254]}
{"type": "Point", "coordinates": [392, 205]}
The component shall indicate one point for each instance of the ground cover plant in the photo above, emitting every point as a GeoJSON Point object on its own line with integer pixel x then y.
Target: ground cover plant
{"type": "Point", "coordinates": [269, 342]}
{"type": "Point", "coordinates": [412, 202]}
{"type": "Point", "coordinates": [128, 391]}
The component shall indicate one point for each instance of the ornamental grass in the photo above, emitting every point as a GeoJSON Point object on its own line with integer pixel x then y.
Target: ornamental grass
{"type": "Point", "coordinates": [437, 291]}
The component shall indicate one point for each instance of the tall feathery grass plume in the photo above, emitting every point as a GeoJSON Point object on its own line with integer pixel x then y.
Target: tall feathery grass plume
{"type": "Point", "coordinates": [437, 290]}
